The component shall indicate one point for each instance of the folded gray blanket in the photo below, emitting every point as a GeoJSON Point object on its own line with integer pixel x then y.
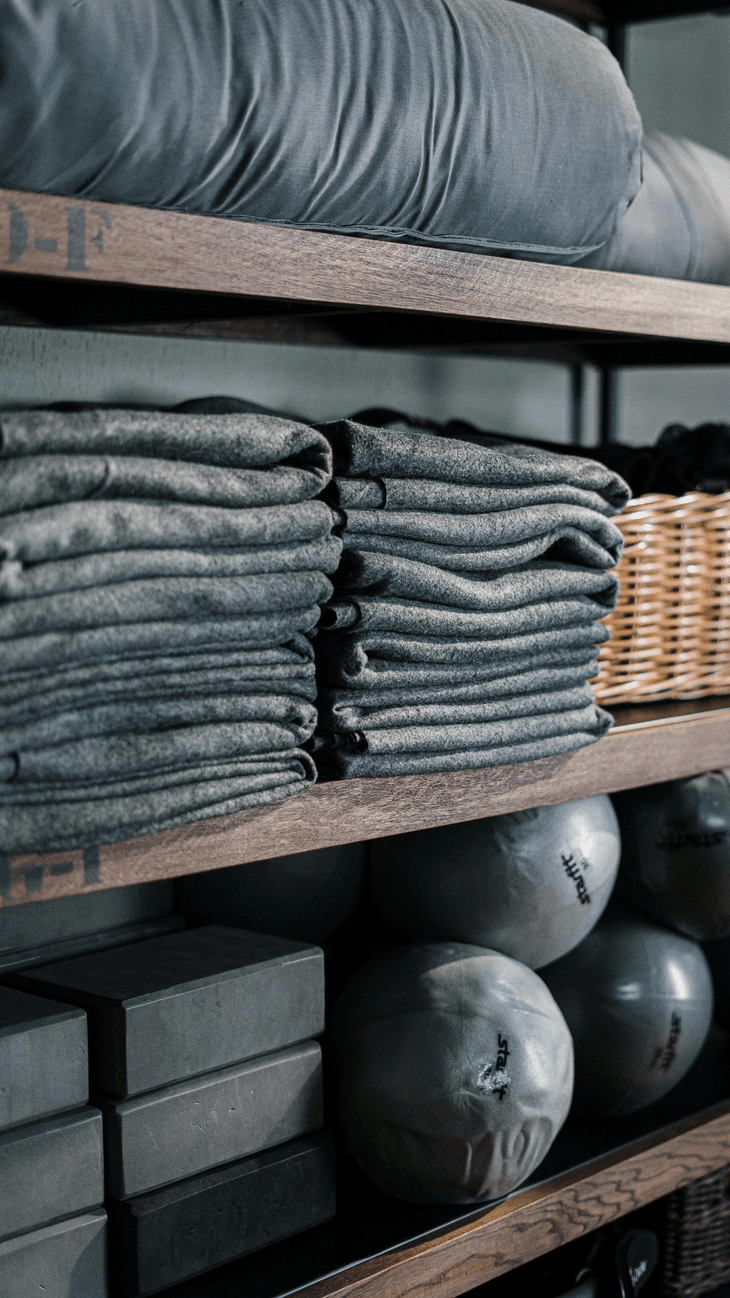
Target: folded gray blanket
{"type": "Point", "coordinates": [457, 498]}
{"type": "Point", "coordinates": [343, 709]}
{"type": "Point", "coordinates": [381, 677]}
{"type": "Point", "coordinates": [365, 452]}
{"type": "Point", "coordinates": [87, 527]}
{"type": "Point", "coordinates": [56, 817]}
{"type": "Point", "coordinates": [410, 617]}
{"type": "Point", "coordinates": [161, 599]}
{"type": "Point", "coordinates": [108, 757]}
{"type": "Point", "coordinates": [503, 539]}
{"type": "Point", "coordinates": [392, 576]}
{"type": "Point", "coordinates": [30, 481]}
{"type": "Point", "coordinates": [27, 581]}
{"type": "Point", "coordinates": [297, 655]}
{"type": "Point", "coordinates": [451, 713]}
{"type": "Point", "coordinates": [209, 683]}
{"type": "Point", "coordinates": [128, 717]}
{"type": "Point", "coordinates": [347, 657]}
{"type": "Point", "coordinates": [241, 441]}
{"type": "Point", "coordinates": [341, 764]}
{"type": "Point", "coordinates": [58, 649]}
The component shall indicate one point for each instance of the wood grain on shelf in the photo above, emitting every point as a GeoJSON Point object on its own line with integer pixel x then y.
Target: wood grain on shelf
{"type": "Point", "coordinates": [538, 1220]}
{"type": "Point", "coordinates": [42, 234]}
{"type": "Point", "coordinates": [651, 748]}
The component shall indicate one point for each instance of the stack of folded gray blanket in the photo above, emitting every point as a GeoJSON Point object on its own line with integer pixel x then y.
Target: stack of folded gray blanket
{"type": "Point", "coordinates": [159, 573]}
{"type": "Point", "coordinates": [468, 602]}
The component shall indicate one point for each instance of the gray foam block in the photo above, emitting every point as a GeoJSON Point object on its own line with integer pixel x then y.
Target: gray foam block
{"type": "Point", "coordinates": [69, 917]}
{"type": "Point", "coordinates": [160, 1239]}
{"type": "Point", "coordinates": [67, 948]}
{"type": "Point", "coordinates": [65, 1260]}
{"type": "Point", "coordinates": [181, 1005]}
{"type": "Point", "coordinates": [186, 1128]}
{"type": "Point", "coordinates": [43, 1057]}
{"type": "Point", "coordinates": [50, 1169]}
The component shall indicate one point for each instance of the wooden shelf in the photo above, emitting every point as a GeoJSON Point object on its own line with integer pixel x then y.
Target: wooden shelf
{"type": "Point", "coordinates": [647, 745]}
{"type": "Point", "coordinates": [57, 253]}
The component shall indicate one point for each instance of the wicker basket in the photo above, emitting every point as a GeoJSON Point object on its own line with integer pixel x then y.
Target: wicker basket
{"type": "Point", "coordinates": [697, 1236]}
{"type": "Point", "coordinates": [670, 632]}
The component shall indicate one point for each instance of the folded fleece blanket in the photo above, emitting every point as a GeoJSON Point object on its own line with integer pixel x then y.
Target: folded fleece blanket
{"type": "Point", "coordinates": [27, 581]}
{"type": "Point", "coordinates": [456, 498]}
{"type": "Point", "coordinates": [409, 617]}
{"type": "Point", "coordinates": [160, 599]}
{"type": "Point", "coordinates": [393, 577]}
{"type": "Point", "coordinates": [56, 650]}
{"type": "Point", "coordinates": [101, 758]}
{"type": "Point", "coordinates": [236, 441]}
{"type": "Point", "coordinates": [338, 702]}
{"type": "Point", "coordinates": [484, 461]}
{"type": "Point", "coordinates": [575, 731]}
{"type": "Point", "coordinates": [87, 527]}
{"type": "Point", "coordinates": [452, 712]}
{"type": "Point", "coordinates": [46, 818]}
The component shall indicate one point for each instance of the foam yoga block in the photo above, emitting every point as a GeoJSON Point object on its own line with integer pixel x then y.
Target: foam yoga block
{"type": "Point", "coordinates": [675, 862]}
{"type": "Point", "coordinates": [27, 957]}
{"type": "Point", "coordinates": [66, 1260]}
{"type": "Point", "coordinates": [50, 1169]}
{"type": "Point", "coordinates": [180, 1005]}
{"type": "Point", "coordinates": [307, 895]}
{"type": "Point", "coordinates": [537, 151]}
{"type": "Point", "coordinates": [163, 1238]}
{"type": "Point", "coordinates": [531, 884]}
{"type": "Point", "coordinates": [186, 1128]}
{"type": "Point", "coordinates": [455, 1071]}
{"type": "Point", "coordinates": [638, 1000]}
{"type": "Point", "coordinates": [73, 917]}
{"type": "Point", "coordinates": [43, 1057]}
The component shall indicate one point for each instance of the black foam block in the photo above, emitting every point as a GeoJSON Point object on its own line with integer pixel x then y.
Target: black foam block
{"type": "Point", "coordinates": [162, 1238]}
{"type": "Point", "coordinates": [65, 1260]}
{"type": "Point", "coordinates": [181, 1005]}
{"type": "Point", "coordinates": [50, 1169]}
{"type": "Point", "coordinates": [43, 1057]}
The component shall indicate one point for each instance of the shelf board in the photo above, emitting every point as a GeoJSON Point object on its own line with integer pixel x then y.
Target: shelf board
{"type": "Point", "coordinates": [265, 267]}
{"type": "Point", "coordinates": [594, 1173]}
{"type": "Point", "coordinates": [647, 745]}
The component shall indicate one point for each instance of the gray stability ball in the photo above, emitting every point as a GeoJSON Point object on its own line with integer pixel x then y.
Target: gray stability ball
{"type": "Point", "coordinates": [455, 1071]}
{"type": "Point", "coordinates": [637, 998]}
{"type": "Point", "coordinates": [306, 896]}
{"type": "Point", "coordinates": [530, 884]}
{"type": "Point", "coordinates": [675, 862]}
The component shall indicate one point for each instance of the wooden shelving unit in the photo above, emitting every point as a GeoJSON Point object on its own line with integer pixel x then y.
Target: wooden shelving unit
{"type": "Point", "coordinates": [73, 264]}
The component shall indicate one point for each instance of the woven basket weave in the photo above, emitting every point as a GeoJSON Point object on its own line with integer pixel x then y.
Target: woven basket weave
{"type": "Point", "coordinates": [670, 631]}
{"type": "Point", "coordinates": [697, 1236]}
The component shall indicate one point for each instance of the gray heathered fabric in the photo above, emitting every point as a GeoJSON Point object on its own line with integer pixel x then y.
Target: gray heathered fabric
{"type": "Point", "coordinates": [87, 527]}
{"type": "Point", "coordinates": [56, 650]}
{"type": "Point", "coordinates": [409, 617]}
{"type": "Point", "coordinates": [450, 738]}
{"type": "Point", "coordinates": [346, 656]}
{"type": "Point", "coordinates": [341, 709]}
{"type": "Point", "coordinates": [128, 717]}
{"type": "Point", "coordinates": [456, 498]}
{"type": "Point", "coordinates": [29, 481]}
{"type": "Point", "coordinates": [57, 817]}
{"type": "Point", "coordinates": [452, 713]}
{"type": "Point", "coordinates": [297, 656]}
{"type": "Point", "coordinates": [361, 451]}
{"type": "Point", "coordinates": [210, 682]}
{"type": "Point", "coordinates": [511, 536]}
{"type": "Point", "coordinates": [161, 599]}
{"type": "Point", "coordinates": [350, 766]}
{"type": "Point", "coordinates": [109, 757]}
{"type": "Point", "coordinates": [410, 678]}
{"type": "Point", "coordinates": [571, 546]}
{"type": "Point", "coordinates": [242, 441]}
{"type": "Point", "coordinates": [19, 581]}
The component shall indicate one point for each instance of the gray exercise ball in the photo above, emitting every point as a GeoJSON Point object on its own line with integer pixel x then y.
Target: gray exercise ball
{"type": "Point", "coordinates": [637, 998]}
{"type": "Point", "coordinates": [675, 862]}
{"type": "Point", "coordinates": [530, 884]}
{"type": "Point", "coordinates": [306, 896]}
{"type": "Point", "coordinates": [455, 1071]}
